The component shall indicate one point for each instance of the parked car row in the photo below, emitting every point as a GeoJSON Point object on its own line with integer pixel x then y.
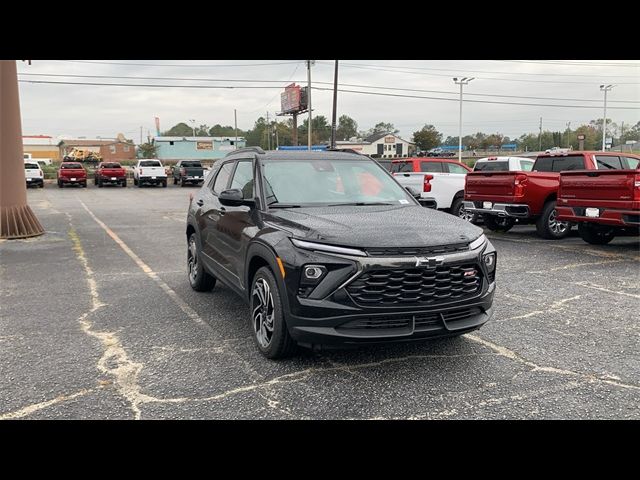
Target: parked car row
{"type": "Point", "coordinates": [145, 172]}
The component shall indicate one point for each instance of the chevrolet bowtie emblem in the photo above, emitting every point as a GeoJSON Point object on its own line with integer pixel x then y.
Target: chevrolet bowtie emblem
{"type": "Point", "coordinates": [429, 262]}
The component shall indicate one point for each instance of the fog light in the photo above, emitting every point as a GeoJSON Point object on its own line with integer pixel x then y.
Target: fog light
{"type": "Point", "coordinates": [313, 272]}
{"type": "Point", "coordinates": [490, 261]}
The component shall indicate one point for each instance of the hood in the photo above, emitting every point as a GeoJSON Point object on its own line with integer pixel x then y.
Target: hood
{"type": "Point", "coordinates": [374, 226]}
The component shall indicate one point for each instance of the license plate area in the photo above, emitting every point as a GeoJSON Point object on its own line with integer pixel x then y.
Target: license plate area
{"type": "Point", "coordinates": [592, 212]}
{"type": "Point", "coordinates": [487, 205]}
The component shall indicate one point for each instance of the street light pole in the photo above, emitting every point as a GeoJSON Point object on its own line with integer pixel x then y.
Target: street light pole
{"type": "Point", "coordinates": [461, 82]}
{"type": "Point", "coordinates": [309, 63]}
{"type": "Point", "coordinates": [192, 120]}
{"type": "Point", "coordinates": [605, 89]}
{"type": "Point", "coordinates": [335, 105]}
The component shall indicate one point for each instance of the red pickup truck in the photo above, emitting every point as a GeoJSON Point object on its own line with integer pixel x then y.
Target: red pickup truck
{"type": "Point", "coordinates": [110, 172]}
{"type": "Point", "coordinates": [530, 197]}
{"type": "Point", "coordinates": [604, 203]}
{"type": "Point", "coordinates": [72, 173]}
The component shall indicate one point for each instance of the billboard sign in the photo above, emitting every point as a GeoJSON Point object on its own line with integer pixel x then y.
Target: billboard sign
{"type": "Point", "coordinates": [204, 145]}
{"type": "Point", "coordinates": [581, 136]}
{"type": "Point", "coordinates": [293, 99]}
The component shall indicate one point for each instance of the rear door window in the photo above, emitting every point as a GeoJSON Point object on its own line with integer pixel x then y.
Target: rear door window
{"type": "Point", "coordinates": [455, 168]}
{"type": "Point", "coordinates": [243, 179]}
{"type": "Point", "coordinates": [191, 164]}
{"type": "Point", "coordinates": [431, 166]}
{"type": "Point", "coordinates": [401, 167]}
{"type": "Point", "coordinates": [608, 162]}
{"type": "Point", "coordinates": [632, 162]}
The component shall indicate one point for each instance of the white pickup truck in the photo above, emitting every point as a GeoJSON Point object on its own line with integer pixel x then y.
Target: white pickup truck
{"type": "Point", "coordinates": [33, 174]}
{"type": "Point", "coordinates": [149, 171]}
{"type": "Point", "coordinates": [440, 182]}
{"type": "Point", "coordinates": [504, 164]}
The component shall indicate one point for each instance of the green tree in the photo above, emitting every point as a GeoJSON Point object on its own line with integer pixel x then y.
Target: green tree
{"type": "Point", "coordinates": [494, 141]}
{"type": "Point", "coordinates": [256, 137]}
{"type": "Point", "coordinates": [631, 134]}
{"type": "Point", "coordinates": [347, 128]}
{"type": "Point", "coordinates": [380, 128]}
{"type": "Point", "coordinates": [320, 131]}
{"type": "Point", "coordinates": [427, 137]}
{"type": "Point", "coordinates": [147, 150]}
{"type": "Point", "coordinates": [179, 130]}
{"type": "Point", "coordinates": [224, 131]}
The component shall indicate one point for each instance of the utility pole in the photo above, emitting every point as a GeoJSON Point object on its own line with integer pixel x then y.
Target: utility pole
{"type": "Point", "coordinates": [540, 137]}
{"type": "Point", "coordinates": [605, 89]}
{"type": "Point", "coordinates": [140, 134]}
{"type": "Point", "coordinates": [277, 140]}
{"type": "Point", "coordinates": [461, 82]}
{"type": "Point", "coordinates": [195, 142]}
{"type": "Point", "coordinates": [268, 133]}
{"type": "Point", "coordinates": [335, 103]}
{"type": "Point", "coordinates": [309, 63]}
{"type": "Point", "coordinates": [568, 131]}
{"type": "Point", "coordinates": [621, 134]}
{"type": "Point", "coordinates": [235, 124]}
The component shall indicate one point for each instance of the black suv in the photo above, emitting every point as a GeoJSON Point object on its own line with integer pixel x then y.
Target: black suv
{"type": "Point", "coordinates": [327, 248]}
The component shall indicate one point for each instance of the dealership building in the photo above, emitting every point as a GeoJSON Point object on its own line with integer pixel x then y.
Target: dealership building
{"type": "Point", "coordinates": [383, 145]}
{"type": "Point", "coordinates": [192, 148]}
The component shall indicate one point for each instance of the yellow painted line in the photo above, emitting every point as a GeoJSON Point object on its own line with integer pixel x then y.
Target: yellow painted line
{"type": "Point", "coordinates": [280, 265]}
{"type": "Point", "coordinates": [190, 312]}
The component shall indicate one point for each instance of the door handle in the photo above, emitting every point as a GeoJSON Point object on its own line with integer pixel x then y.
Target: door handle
{"type": "Point", "coordinates": [200, 202]}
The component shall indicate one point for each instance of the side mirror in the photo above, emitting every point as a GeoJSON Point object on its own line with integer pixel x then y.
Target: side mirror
{"type": "Point", "coordinates": [233, 198]}
{"type": "Point", "coordinates": [413, 192]}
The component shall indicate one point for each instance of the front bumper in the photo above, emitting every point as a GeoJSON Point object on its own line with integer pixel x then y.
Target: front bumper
{"type": "Point", "coordinates": [336, 316]}
{"type": "Point", "coordinates": [514, 210]}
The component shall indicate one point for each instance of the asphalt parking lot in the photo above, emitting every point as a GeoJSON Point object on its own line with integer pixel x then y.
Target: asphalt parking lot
{"type": "Point", "coordinates": [97, 320]}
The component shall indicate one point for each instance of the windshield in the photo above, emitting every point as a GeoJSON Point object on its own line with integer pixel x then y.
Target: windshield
{"type": "Point", "coordinates": [329, 182]}
{"type": "Point", "coordinates": [150, 163]}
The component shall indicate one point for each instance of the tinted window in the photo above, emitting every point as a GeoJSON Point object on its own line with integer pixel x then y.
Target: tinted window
{"type": "Point", "coordinates": [608, 162]}
{"type": "Point", "coordinates": [70, 165]}
{"type": "Point", "coordinates": [111, 165]}
{"type": "Point", "coordinates": [150, 163]}
{"type": "Point", "coordinates": [491, 166]}
{"type": "Point", "coordinates": [385, 163]}
{"type": "Point", "coordinates": [574, 162]}
{"type": "Point", "coordinates": [222, 179]}
{"type": "Point", "coordinates": [455, 168]}
{"type": "Point", "coordinates": [431, 166]}
{"type": "Point", "coordinates": [632, 162]}
{"type": "Point", "coordinates": [543, 164]}
{"type": "Point", "coordinates": [243, 179]}
{"type": "Point", "coordinates": [191, 164]}
{"type": "Point", "coordinates": [28, 166]}
{"type": "Point", "coordinates": [526, 165]}
{"type": "Point", "coordinates": [397, 167]}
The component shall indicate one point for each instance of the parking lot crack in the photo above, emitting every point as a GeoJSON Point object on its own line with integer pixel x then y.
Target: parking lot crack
{"type": "Point", "coordinates": [510, 354]}
{"type": "Point", "coordinates": [29, 409]}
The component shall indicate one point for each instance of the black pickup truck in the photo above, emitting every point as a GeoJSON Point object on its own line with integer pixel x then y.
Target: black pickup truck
{"type": "Point", "coordinates": [188, 171]}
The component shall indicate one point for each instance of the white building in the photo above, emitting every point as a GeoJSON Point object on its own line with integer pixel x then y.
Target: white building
{"type": "Point", "coordinates": [383, 145]}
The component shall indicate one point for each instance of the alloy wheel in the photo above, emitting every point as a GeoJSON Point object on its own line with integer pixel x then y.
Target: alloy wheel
{"type": "Point", "coordinates": [556, 226]}
{"type": "Point", "coordinates": [192, 260]}
{"type": "Point", "coordinates": [465, 214]}
{"type": "Point", "coordinates": [263, 312]}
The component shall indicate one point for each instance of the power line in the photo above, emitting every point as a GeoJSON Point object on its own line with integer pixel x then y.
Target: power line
{"type": "Point", "coordinates": [325, 83]}
{"type": "Point", "coordinates": [491, 72]}
{"type": "Point", "coordinates": [484, 78]}
{"type": "Point", "coordinates": [231, 87]}
{"type": "Point", "coordinates": [573, 62]}
{"type": "Point", "coordinates": [179, 64]}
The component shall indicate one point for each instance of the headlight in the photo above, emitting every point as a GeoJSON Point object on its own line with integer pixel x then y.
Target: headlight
{"type": "Point", "coordinates": [321, 247]}
{"type": "Point", "coordinates": [490, 261]}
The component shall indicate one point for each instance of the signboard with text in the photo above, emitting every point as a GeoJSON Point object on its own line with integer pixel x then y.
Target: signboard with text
{"type": "Point", "coordinates": [204, 145]}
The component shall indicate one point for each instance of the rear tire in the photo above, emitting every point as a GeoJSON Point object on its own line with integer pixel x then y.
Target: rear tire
{"type": "Point", "coordinates": [84, 184]}
{"type": "Point", "coordinates": [498, 224]}
{"type": "Point", "coordinates": [164, 183]}
{"type": "Point", "coordinates": [267, 317]}
{"type": "Point", "coordinates": [59, 184]}
{"type": "Point", "coordinates": [124, 183]}
{"type": "Point", "coordinates": [199, 279]}
{"type": "Point", "coordinates": [99, 183]}
{"type": "Point", "coordinates": [175, 181]}
{"type": "Point", "coordinates": [457, 209]}
{"type": "Point", "coordinates": [182, 182]}
{"type": "Point", "coordinates": [135, 181]}
{"type": "Point", "coordinates": [595, 235]}
{"type": "Point", "coordinates": [548, 226]}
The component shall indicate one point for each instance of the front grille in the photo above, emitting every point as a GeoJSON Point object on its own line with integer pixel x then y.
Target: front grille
{"type": "Point", "coordinates": [415, 286]}
{"type": "Point", "coordinates": [410, 251]}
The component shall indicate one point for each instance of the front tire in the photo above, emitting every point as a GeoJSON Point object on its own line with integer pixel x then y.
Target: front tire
{"type": "Point", "coordinates": [457, 209]}
{"type": "Point", "coordinates": [124, 183]}
{"type": "Point", "coordinates": [498, 224]}
{"type": "Point", "coordinates": [135, 181]}
{"type": "Point", "coordinates": [595, 235]}
{"type": "Point", "coordinates": [164, 183]}
{"type": "Point", "coordinates": [199, 279]}
{"type": "Point", "coordinates": [548, 226]}
{"type": "Point", "coordinates": [267, 317]}
{"type": "Point", "coordinates": [59, 184]}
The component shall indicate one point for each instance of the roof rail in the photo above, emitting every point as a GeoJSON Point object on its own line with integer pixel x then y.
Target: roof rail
{"type": "Point", "coordinates": [346, 150]}
{"type": "Point", "coordinates": [246, 149]}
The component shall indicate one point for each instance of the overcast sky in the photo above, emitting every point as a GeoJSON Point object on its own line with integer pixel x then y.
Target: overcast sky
{"type": "Point", "coordinates": [97, 110]}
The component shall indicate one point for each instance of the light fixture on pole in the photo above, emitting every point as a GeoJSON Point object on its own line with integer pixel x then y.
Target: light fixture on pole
{"type": "Point", "coordinates": [461, 82]}
{"type": "Point", "coordinates": [605, 89]}
{"type": "Point", "coordinates": [192, 120]}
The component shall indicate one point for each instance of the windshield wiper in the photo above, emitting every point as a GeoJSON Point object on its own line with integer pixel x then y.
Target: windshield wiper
{"type": "Point", "coordinates": [358, 204]}
{"type": "Point", "coordinates": [282, 205]}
